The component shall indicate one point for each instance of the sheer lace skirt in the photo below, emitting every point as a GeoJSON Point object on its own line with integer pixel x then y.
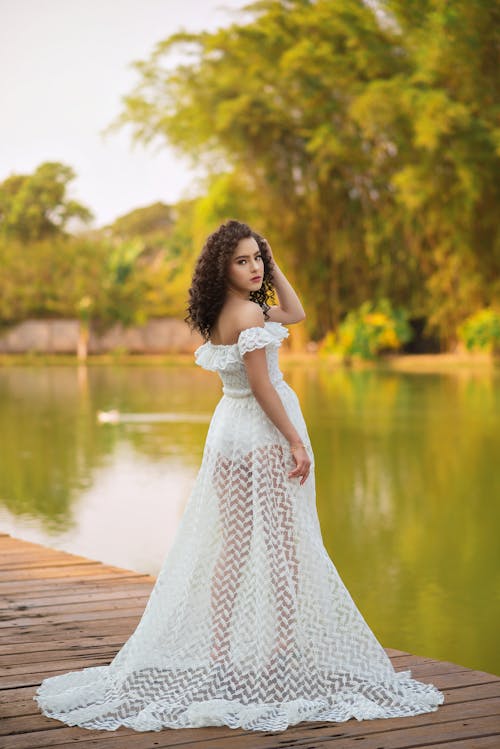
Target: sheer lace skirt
{"type": "Point", "coordinates": [249, 623]}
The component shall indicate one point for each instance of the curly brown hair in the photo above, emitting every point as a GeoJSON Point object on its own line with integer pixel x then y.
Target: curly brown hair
{"type": "Point", "coordinates": [208, 286]}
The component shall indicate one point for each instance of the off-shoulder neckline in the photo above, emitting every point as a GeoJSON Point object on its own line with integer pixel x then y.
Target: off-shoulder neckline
{"type": "Point", "coordinates": [252, 327]}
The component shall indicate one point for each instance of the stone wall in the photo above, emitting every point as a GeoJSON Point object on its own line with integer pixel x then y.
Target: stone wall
{"type": "Point", "coordinates": [158, 336]}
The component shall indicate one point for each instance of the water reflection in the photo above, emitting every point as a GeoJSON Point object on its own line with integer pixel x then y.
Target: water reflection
{"type": "Point", "coordinates": [53, 445]}
{"type": "Point", "coordinates": [406, 472]}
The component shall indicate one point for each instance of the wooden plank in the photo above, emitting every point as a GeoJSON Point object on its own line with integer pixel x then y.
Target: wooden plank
{"type": "Point", "coordinates": [460, 679]}
{"type": "Point", "coordinates": [14, 556]}
{"type": "Point", "coordinates": [45, 572]}
{"type": "Point", "coordinates": [58, 643]}
{"type": "Point", "coordinates": [374, 734]}
{"type": "Point", "coordinates": [69, 617]}
{"type": "Point", "coordinates": [51, 613]}
{"type": "Point", "coordinates": [8, 696]}
{"type": "Point", "coordinates": [77, 582]}
{"type": "Point", "coordinates": [21, 703]}
{"type": "Point", "coordinates": [18, 600]}
{"type": "Point", "coordinates": [69, 601]}
{"type": "Point", "coordinates": [41, 564]}
{"type": "Point", "coordinates": [484, 707]}
{"type": "Point", "coordinates": [68, 660]}
{"type": "Point", "coordinates": [453, 695]}
{"type": "Point", "coordinates": [12, 681]}
{"type": "Point", "coordinates": [419, 670]}
{"type": "Point", "coordinates": [71, 629]}
{"type": "Point", "coordinates": [476, 692]}
{"type": "Point", "coordinates": [393, 653]}
{"type": "Point", "coordinates": [49, 587]}
{"type": "Point", "coordinates": [29, 661]}
{"type": "Point", "coordinates": [485, 742]}
{"type": "Point", "coordinates": [62, 612]}
{"type": "Point", "coordinates": [18, 674]}
{"type": "Point", "coordinates": [13, 553]}
{"type": "Point", "coordinates": [18, 651]}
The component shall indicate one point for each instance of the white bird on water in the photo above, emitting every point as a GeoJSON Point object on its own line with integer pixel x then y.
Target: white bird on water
{"type": "Point", "coordinates": [115, 417]}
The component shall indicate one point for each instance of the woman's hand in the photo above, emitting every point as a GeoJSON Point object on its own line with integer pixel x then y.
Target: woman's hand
{"type": "Point", "coordinates": [289, 309]}
{"type": "Point", "coordinates": [269, 252]}
{"type": "Point", "coordinates": [302, 461]}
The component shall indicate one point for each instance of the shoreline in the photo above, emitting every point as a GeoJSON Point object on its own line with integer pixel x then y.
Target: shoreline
{"type": "Point", "coordinates": [444, 362]}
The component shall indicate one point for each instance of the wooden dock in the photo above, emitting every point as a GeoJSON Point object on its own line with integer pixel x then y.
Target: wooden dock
{"type": "Point", "coordinates": [61, 612]}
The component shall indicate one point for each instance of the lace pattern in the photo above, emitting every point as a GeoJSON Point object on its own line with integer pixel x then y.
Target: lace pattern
{"type": "Point", "coordinates": [249, 623]}
{"type": "Point", "coordinates": [219, 357]}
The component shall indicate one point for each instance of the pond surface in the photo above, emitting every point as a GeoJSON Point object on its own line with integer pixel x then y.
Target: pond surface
{"type": "Point", "coordinates": [407, 478]}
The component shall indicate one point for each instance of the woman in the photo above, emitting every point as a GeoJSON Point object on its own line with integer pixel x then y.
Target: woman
{"type": "Point", "coordinates": [249, 624]}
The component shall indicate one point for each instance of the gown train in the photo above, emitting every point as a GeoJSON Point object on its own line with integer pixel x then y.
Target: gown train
{"type": "Point", "coordinates": [249, 623]}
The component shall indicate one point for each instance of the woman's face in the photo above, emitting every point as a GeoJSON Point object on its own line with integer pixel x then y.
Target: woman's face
{"type": "Point", "coordinates": [245, 271]}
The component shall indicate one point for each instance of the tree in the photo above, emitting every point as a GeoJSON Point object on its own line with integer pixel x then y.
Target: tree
{"type": "Point", "coordinates": [270, 99]}
{"type": "Point", "coordinates": [370, 148]}
{"type": "Point", "coordinates": [156, 219]}
{"type": "Point", "coordinates": [36, 206]}
{"type": "Point", "coordinates": [445, 179]}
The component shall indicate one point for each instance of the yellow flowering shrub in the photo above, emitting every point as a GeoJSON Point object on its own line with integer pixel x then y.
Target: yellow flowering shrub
{"type": "Point", "coordinates": [365, 332]}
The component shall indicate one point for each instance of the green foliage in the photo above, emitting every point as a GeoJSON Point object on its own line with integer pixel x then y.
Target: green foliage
{"type": "Point", "coordinates": [481, 330]}
{"type": "Point", "coordinates": [48, 278]}
{"type": "Point", "coordinates": [104, 276]}
{"type": "Point", "coordinates": [223, 196]}
{"type": "Point", "coordinates": [149, 221]}
{"type": "Point", "coordinates": [36, 206]}
{"type": "Point", "coordinates": [364, 145]}
{"type": "Point", "coordinates": [370, 148]}
{"type": "Point", "coordinates": [121, 285]}
{"type": "Point", "coordinates": [369, 330]}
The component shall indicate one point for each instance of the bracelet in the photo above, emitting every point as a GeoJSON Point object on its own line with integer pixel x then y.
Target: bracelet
{"type": "Point", "coordinates": [297, 444]}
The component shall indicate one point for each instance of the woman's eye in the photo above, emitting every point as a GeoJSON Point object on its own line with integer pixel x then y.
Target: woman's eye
{"type": "Point", "coordinates": [258, 257]}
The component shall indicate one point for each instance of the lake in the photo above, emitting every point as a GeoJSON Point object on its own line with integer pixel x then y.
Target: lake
{"type": "Point", "coordinates": [407, 479]}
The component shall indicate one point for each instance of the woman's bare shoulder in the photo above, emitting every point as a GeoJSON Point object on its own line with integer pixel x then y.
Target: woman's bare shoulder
{"type": "Point", "coordinates": [235, 317]}
{"type": "Point", "coordinates": [250, 314]}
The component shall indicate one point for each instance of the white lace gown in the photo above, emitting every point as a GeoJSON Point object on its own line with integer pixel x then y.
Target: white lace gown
{"type": "Point", "coordinates": [249, 624]}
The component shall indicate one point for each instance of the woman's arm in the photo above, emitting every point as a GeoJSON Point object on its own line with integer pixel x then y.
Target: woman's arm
{"type": "Point", "coordinates": [289, 309]}
{"type": "Point", "coordinates": [267, 396]}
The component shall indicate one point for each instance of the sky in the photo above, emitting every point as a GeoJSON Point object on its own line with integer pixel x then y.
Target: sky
{"type": "Point", "coordinates": [64, 66]}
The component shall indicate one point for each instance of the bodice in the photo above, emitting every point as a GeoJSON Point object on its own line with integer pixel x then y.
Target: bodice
{"type": "Point", "coordinates": [227, 359]}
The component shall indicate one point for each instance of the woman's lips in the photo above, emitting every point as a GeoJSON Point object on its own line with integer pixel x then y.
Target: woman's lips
{"type": "Point", "coordinates": [256, 278]}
